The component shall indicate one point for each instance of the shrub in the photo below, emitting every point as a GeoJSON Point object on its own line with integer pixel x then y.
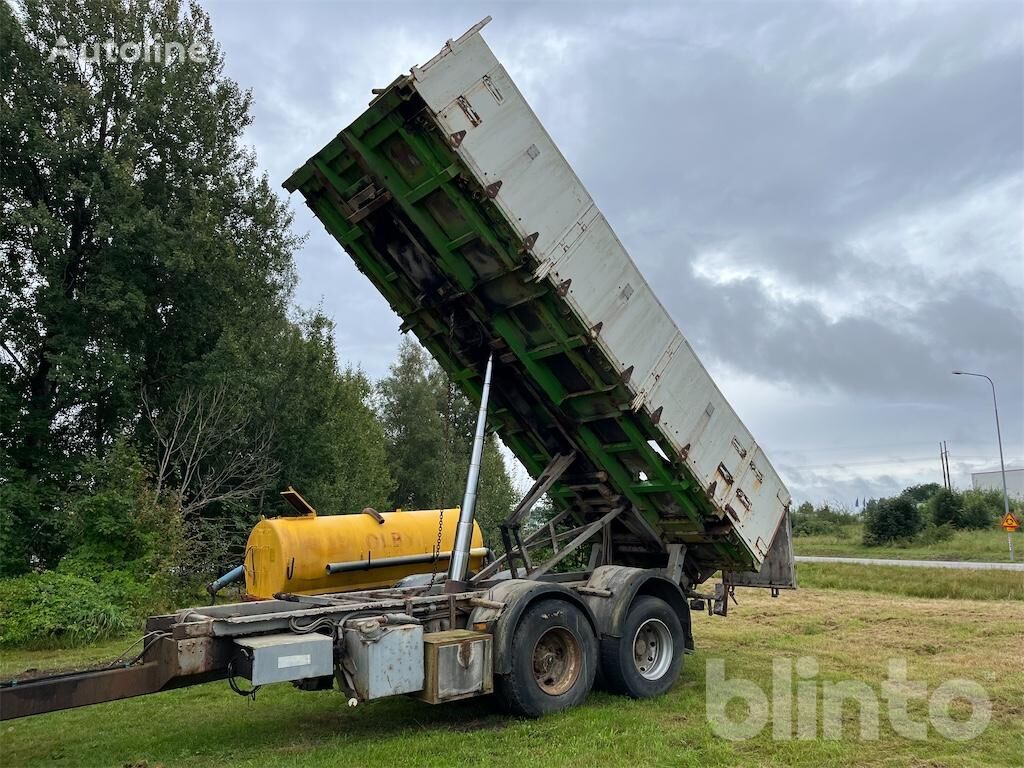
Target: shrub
{"type": "Point", "coordinates": [59, 608]}
{"type": "Point", "coordinates": [893, 519]}
{"type": "Point", "coordinates": [120, 565]}
{"type": "Point", "coordinates": [981, 509]}
{"type": "Point", "coordinates": [809, 520]}
{"type": "Point", "coordinates": [946, 508]}
{"type": "Point", "coordinates": [118, 523]}
{"type": "Point", "coordinates": [920, 494]}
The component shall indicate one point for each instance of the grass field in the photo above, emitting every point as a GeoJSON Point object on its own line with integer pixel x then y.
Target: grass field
{"type": "Point", "coordinates": [851, 635]}
{"type": "Point", "coordinates": [914, 582]}
{"type": "Point", "coordinates": [975, 546]}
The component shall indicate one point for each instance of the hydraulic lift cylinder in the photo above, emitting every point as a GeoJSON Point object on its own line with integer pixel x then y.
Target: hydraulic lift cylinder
{"type": "Point", "coordinates": [459, 564]}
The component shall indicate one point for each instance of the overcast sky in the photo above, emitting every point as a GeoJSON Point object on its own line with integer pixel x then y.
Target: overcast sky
{"type": "Point", "coordinates": [828, 198]}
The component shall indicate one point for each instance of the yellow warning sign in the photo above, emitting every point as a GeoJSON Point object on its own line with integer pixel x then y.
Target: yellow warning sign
{"type": "Point", "coordinates": [1010, 523]}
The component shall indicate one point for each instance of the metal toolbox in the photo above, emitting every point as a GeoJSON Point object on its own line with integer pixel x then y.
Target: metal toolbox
{"type": "Point", "coordinates": [282, 658]}
{"type": "Point", "coordinates": [384, 659]}
{"type": "Point", "coordinates": [457, 664]}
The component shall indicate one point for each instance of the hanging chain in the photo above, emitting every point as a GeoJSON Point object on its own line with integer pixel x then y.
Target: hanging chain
{"type": "Point", "coordinates": [446, 456]}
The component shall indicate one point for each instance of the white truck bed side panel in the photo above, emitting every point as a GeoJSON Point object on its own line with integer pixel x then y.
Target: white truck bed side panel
{"type": "Point", "coordinates": [468, 90]}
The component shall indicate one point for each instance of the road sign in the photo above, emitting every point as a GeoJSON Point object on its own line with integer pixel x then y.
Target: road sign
{"type": "Point", "coordinates": [1010, 523]}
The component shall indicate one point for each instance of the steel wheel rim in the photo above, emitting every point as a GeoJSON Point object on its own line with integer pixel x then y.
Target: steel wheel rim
{"type": "Point", "coordinates": [653, 649]}
{"type": "Point", "coordinates": [557, 661]}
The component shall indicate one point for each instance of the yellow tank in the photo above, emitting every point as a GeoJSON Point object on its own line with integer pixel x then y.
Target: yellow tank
{"type": "Point", "coordinates": [291, 554]}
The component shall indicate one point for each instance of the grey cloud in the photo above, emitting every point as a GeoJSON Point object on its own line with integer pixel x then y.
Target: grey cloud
{"type": "Point", "coordinates": [782, 136]}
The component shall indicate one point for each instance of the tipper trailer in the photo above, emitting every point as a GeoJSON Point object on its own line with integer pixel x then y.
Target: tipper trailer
{"type": "Point", "coordinates": [453, 200]}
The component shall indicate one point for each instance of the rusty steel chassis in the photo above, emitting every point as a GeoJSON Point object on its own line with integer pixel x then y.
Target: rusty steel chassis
{"type": "Point", "coordinates": [196, 645]}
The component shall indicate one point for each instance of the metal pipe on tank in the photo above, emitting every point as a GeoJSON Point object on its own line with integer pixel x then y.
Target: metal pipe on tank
{"type": "Point", "coordinates": [459, 564]}
{"type": "Point", "coordinates": [389, 562]}
{"type": "Point", "coordinates": [233, 575]}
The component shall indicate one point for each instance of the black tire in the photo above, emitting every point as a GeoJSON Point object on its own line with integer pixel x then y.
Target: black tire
{"type": "Point", "coordinates": [554, 659]}
{"type": "Point", "coordinates": [624, 670]}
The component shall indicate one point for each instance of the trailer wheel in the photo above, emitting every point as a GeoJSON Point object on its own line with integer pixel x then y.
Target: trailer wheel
{"type": "Point", "coordinates": [554, 659]}
{"type": "Point", "coordinates": [646, 660]}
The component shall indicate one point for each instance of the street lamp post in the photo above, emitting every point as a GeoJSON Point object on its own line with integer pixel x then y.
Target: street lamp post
{"type": "Point", "coordinates": [999, 438]}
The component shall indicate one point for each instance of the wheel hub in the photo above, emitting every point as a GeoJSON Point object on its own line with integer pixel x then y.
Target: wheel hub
{"type": "Point", "coordinates": [557, 661]}
{"type": "Point", "coordinates": [653, 649]}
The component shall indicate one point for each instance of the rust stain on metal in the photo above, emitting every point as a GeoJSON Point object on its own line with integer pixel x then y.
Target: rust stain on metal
{"type": "Point", "coordinates": [725, 473]}
{"type": "Point", "coordinates": [465, 655]}
{"type": "Point", "coordinates": [467, 109]}
{"type": "Point", "coordinates": [743, 498]}
{"type": "Point", "coordinates": [491, 190]}
{"type": "Point", "coordinates": [529, 242]}
{"type": "Point", "coordinates": [739, 448]}
{"type": "Point", "coordinates": [456, 138]}
{"type": "Point", "coordinates": [563, 287]}
{"type": "Point", "coordinates": [492, 88]}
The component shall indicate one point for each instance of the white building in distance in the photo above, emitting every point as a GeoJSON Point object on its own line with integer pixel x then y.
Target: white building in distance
{"type": "Point", "coordinates": [993, 481]}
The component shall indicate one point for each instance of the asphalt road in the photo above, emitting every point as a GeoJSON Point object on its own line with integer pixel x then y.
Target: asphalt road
{"type": "Point", "coordinates": [960, 564]}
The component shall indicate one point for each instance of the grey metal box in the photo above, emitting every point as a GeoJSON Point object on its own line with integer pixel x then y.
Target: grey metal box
{"type": "Point", "coordinates": [459, 664]}
{"type": "Point", "coordinates": [386, 661]}
{"type": "Point", "coordinates": [285, 657]}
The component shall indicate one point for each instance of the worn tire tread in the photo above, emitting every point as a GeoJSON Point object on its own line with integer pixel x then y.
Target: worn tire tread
{"type": "Point", "coordinates": [519, 694]}
{"type": "Point", "coordinates": [624, 680]}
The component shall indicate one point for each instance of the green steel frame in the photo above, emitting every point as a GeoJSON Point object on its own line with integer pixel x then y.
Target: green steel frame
{"type": "Point", "coordinates": [393, 192]}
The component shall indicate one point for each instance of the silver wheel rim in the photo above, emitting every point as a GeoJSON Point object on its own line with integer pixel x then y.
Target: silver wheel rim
{"type": "Point", "coordinates": [652, 649]}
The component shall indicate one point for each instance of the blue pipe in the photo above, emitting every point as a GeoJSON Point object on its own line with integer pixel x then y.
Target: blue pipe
{"type": "Point", "coordinates": [231, 576]}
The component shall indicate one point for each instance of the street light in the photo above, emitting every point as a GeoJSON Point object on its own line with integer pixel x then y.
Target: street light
{"type": "Point", "coordinates": [999, 437]}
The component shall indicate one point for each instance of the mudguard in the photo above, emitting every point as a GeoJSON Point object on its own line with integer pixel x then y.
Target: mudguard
{"type": "Point", "coordinates": [625, 584]}
{"type": "Point", "coordinates": [516, 595]}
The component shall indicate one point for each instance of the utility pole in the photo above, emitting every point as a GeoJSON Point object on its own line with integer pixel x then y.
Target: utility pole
{"type": "Point", "coordinates": [999, 438]}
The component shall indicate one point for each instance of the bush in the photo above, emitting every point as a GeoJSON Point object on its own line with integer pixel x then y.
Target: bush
{"type": "Point", "coordinates": [809, 520]}
{"type": "Point", "coordinates": [890, 520]}
{"type": "Point", "coordinates": [981, 509]}
{"type": "Point", "coordinates": [118, 523]}
{"type": "Point", "coordinates": [120, 566]}
{"type": "Point", "coordinates": [920, 494]}
{"type": "Point", "coordinates": [58, 608]}
{"type": "Point", "coordinates": [946, 508]}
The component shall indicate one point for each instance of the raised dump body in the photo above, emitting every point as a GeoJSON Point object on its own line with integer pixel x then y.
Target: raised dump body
{"type": "Point", "coordinates": [452, 198]}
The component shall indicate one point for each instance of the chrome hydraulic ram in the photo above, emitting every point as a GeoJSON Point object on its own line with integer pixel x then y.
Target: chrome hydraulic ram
{"type": "Point", "coordinates": [459, 564]}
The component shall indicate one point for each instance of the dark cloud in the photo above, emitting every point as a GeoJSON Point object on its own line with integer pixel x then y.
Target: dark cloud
{"type": "Point", "coordinates": [828, 197]}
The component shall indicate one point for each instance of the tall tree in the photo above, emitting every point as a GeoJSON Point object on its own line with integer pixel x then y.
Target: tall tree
{"type": "Point", "coordinates": [136, 233]}
{"type": "Point", "coordinates": [327, 439]}
{"type": "Point", "coordinates": [408, 407]}
{"type": "Point", "coordinates": [430, 428]}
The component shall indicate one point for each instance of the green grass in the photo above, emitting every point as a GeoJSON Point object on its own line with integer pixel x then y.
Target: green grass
{"type": "Point", "coordinates": [851, 634]}
{"type": "Point", "coordinates": [914, 582]}
{"type": "Point", "coordinates": [977, 546]}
